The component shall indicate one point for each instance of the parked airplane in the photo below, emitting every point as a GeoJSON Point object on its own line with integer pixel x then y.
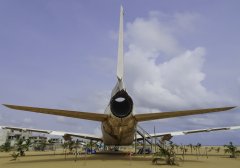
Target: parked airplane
{"type": "Point", "coordinates": [118, 122]}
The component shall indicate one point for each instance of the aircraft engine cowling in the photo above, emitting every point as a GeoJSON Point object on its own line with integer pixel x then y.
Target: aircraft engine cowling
{"type": "Point", "coordinates": [121, 104]}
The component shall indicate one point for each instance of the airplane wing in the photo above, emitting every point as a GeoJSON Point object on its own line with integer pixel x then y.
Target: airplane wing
{"type": "Point", "coordinates": [65, 135]}
{"type": "Point", "coordinates": [162, 115]}
{"type": "Point", "coordinates": [169, 135]}
{"type": "Point", "coordinates": [66, 113]}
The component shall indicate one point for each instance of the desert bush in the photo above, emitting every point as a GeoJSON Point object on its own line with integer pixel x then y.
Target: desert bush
{"type": "Point", "coordinates": [166, 154]}
{"type": "Point", "coordinates": [230, 148]}
{"type": "Point", "coordinates": [6, 147]}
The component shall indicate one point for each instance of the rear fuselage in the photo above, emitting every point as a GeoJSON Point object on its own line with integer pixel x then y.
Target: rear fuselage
{"type": "Point", "coordinates": [118, 131]}
{"type": "Point", "coordinates": [119, 128]}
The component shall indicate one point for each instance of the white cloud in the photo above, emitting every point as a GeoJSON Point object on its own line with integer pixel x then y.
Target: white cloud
{"type": "Point", "coordinates": [145, 34]}
{"type": "Point", "coordinates": [172, 84]}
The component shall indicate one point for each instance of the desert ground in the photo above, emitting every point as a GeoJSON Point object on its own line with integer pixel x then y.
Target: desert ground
{"type": "Point", "coordinates": [48, 159]}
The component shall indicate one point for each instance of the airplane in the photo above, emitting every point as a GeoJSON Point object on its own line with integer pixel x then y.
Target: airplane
{"type": "Point", "coordinates": [119, 121]}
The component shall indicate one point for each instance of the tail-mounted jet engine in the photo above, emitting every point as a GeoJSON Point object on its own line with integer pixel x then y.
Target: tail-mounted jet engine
{"type": "Point", "coordinates": [121, 104]}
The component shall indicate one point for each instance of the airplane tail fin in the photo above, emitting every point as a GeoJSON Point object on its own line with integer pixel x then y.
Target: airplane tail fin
{"type": "Point", "coordinates": [120, 48]}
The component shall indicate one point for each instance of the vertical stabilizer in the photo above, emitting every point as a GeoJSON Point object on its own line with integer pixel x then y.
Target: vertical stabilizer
{"type": "Point", "coordinates": [120, 48]}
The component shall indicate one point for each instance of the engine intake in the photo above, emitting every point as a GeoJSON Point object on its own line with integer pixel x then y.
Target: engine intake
{"type": "Point", "coordinates": [121, 104]}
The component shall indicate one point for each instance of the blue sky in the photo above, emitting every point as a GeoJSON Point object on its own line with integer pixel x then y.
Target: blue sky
{"type": "Point", "coordinates": [178, 55]}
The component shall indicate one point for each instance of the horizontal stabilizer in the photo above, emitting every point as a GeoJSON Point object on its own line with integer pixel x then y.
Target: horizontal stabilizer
{"type": "Point", "coordinates": [66, 113]}
{"type": "Point", "coordinates": [162, 115]}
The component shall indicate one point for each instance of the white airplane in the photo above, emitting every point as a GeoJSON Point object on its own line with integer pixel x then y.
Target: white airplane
{"type": "Point", "coordinates": [119, 122]}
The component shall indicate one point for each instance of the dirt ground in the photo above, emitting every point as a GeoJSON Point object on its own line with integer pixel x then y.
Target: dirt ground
{"type": "Point", "coordinates": [48, 160]}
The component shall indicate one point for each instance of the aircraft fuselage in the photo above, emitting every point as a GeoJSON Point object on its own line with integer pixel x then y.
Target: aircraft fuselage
{"type": "Point", "coordinates": [119, 127]}
{"type": "Point", "coordinates": [118, 131]}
